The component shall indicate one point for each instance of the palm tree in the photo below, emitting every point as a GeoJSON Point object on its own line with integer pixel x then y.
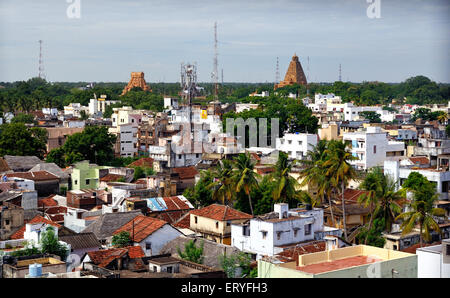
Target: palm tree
{"type": "Point", "coordinates": [307, 199]}
{"type": "Point", "coordinates": [442, 117]}
{"type": "Point", "coordinates": [244, 176]}
{"type": "Point", "coordinates": [286, 190]}
{"type": "Point", "coordinates": [423, 211]}
{"type": "Point", "coordinates": [339, 170]}
{"type": "Point", "coordinates": [382, 198]}
{"type": "Point", "coordinates": [313, 173]}
{"type": "Point", "coordinates": [223, 182]}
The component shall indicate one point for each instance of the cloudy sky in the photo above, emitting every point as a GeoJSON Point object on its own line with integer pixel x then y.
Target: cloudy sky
{"type": "Point", "coordinates": [113, 38]}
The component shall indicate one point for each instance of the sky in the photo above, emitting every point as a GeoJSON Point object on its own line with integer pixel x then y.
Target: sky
{"type": "Point", "coordinates": [112, 38]}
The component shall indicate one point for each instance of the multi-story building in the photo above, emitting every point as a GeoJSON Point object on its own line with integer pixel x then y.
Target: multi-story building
{"type": "Point", "coordinates": [86, 176]}
{"type": "Point", "coordinates": [269, 234]}
{"type": "Point", "coordinates": [127, 141]}
{"type": "Point", "coordinates": [296, 145]}
{"type": "Point", "coordinates": [371, 147]}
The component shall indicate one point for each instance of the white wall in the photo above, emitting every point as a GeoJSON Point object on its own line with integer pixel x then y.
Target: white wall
{"type": "Point", "coordinates": [159, 239]}
{"type": "Point", "coordinates": [296, 145]}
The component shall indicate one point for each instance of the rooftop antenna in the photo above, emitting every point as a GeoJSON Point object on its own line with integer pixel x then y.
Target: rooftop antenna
{"type": "Point", "coordinates": [222, 76]}
{"type": "Point", "coordinates": [215, 73]}
{"type": "Point", "coordinates": [41, 62]}
{"type": "Point", "coordinates": [277, 72]}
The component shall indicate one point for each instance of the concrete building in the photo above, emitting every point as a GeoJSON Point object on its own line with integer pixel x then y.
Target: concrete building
{"type": "Point", "coordinates": [441, 177]}
{"type": "Point", "coordinates": [85, 175]}
{"type": "Point", "coordinates": [434, 261]}
{"type": "Point", "coordinates": [127, 141]}
{"type": "Point", "coordinates": [296, 145]}
{"type": "Point", "coordinates": [269, 234]}
{"type": "Point", "coordinates": [214, 222]}
{"type": "Point", "coordinates": [97, 106]}
{"type": "Point", "coordinates": [371, 147]}
{"type": "Point", "coordinates": [359, 261]}
{"type": "Point", "coordinates": [57, 136]}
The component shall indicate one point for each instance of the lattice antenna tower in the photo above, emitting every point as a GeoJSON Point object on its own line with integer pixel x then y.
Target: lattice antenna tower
{"type": "Point", "coordinates": [307, 77]}
{"type": "Point", "coordinates": [340, 73]}
{"type": "Point", "coordinates": [277, 72]}
{"type": "Point", "coordinates": [215, 73]}
{"type": "Point", "coordinates": [41, 62]}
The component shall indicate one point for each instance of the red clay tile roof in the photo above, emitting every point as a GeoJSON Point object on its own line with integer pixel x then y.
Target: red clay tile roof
{"type": "Point", "coordinates": [186, 172]}
{"type": "Point", "coordinates": [145, 162]}
{"type": "Point", "coordinates": [47, 202]}
{"type": "Point", "coordinates": [175, 203]}
{"type": "Point", "coordinates": [292, 253]}
{"type": "Point", "coordinates": [135, 252]}
{"type": "Point", "coordinates": [221, 212]}
{"type": "Point", "coordinates": [184, 222]}
{"type": "Point", "coordinates": [111, 177]}
{"type": "Point", "coordinates": [265, 170]}
{"type": "Point", "coordinates": [142, 227]}
{"type": "Point", "coordinates": [352, 195]}
{"type": "Point", "coordinates": [35, 176]}
{"type": "Point", "coordinates": [412, 249]}
{"type": "Point", "coordinates": [4, 165]}
{"type": "Point", "coordinates": [37, 219]}
{"type": "Point", "coordinates": [103, 258]}
{"type": "Point", "coordinates": [421, 160]}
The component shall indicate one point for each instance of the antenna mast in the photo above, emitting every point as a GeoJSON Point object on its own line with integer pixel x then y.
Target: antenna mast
{"type": "Point", "coordinates": [215, 73]}
{"type": "Point", "coordinates": [277, 73]}
{"type": "Point", "coordinates": [41, 62]}
{"type": "Point", "coordinates": [340, 73]}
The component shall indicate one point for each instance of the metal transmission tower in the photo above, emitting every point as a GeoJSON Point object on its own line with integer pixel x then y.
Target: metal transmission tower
{"type": "Point", "coordinates": [215, 73]}
{"type": "Point", "coordinates": [277, 72]}
{"type": "Point", "coordinates": [340, 73]}
{"type": "Point", "coordinates": [188, 82]}
{"type": "Point", "coordinates": [307, 78]}
{"type": "Point", "coordinates": [41, 62]}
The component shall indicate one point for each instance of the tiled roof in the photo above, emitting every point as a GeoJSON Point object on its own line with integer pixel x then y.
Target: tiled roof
{"type": "Point", "coordinates": [221, 212]}
{"type": "Point", "coordinates": [175, 203]}
{"type": "Point", "coordinates": [103, 258]}
{"type": "Point", "coordinates": [141, 227]}
{"type": "Point", "coordinates": [35, 176]}
{"type": "Point", "coordinates": [111, 177]}
{"type": "Point", "coordinates": [292, 253]}
{"type": "Point", "coordinates": [51, 168]}
{"type": "Point", "coordinates": [184, 222]}
{"type": "Point", "coordinates": [352, 195]}
{"type": "Point", "coordinates": [108, 223]}
{"type": "Point", "coordinates": [81, 240]}
{"type": "Point", "coordinates": [186, 172]}
{"type": "Point", "coordinates": [135, 252]}
{"type": "Point", "coordinates": [37, 219]}
{"type": "Point", "coordinates": [421, 160]}
{"type": "Point", "coordinates": [412, 249]}
{"type": "Point", "coordinates": [3, 166]}
{"type": "Point", "coordinates": [145, 162]}
{"type": "Point", "coordinates": [21, 163]}
{"type": "Point", "coordinates": [47, 202]}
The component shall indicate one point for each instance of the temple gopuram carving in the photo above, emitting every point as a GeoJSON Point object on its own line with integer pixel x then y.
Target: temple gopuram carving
{"type": "Point", "coordinates": [137, 80]}
{"type": "Point", "coordinates": [294, 74]}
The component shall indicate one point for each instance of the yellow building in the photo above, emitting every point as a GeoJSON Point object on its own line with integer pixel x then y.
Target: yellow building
{"type": "Point", "coordinates": [359, 261]}
{"type": "Point", "coordinates": [214, 222]}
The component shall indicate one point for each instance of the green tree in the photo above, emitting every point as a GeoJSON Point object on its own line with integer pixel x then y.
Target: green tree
{"type": "Point", "coordinates": [17, 139]}
{"type": "Point", "coordinates": [222, 185]}
{"type": "Point", "coordinates": [191, 252]}
{"type": "Point", "coordinates": [138, 173]}
{"type": "Point", "coordinates": [339, 171]}
{"type": "Point", "coordinates": [231, 263]}
{"type": "Point", "coordinates": [50, 244]}
{"type": "Point", "coordinates": [373, 117]}
{"type": "Point", "coordinates": [244, 176]}
{"type": "Point", "coordinates": [122, 239]}
{"type": "Point", "coordinates": [23, 118]}
{"type": "Point", "coordinates": [201, 193]}
{"type": "Point", "coordinates": [286, 190]}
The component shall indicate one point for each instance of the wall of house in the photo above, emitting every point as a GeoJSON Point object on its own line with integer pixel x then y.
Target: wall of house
{"type": "Point", "coordinates": [159, 239]}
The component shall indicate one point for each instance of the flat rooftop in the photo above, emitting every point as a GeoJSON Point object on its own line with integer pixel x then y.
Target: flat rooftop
{"type": "Point", "coordinates": [338, 264]}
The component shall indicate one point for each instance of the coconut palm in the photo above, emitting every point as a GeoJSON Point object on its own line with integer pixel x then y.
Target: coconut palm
{"type": "Point", "coordinates": [286, 190]}
{"type": "Point", "coordinates": [244, 176]}
{"type": "Point", "coordinates": [223, 182]}
{"type": "Point", "coordinates": [442, 117]}
{"type": "Point", "coordinates": [422, 209]}
{"type": "Point", "coordinates": [382, 198]}
{"type": "Point", "coordinates": [339, 170]}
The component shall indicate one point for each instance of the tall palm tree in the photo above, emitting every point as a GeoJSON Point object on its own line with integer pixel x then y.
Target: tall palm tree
{"type": "Point", "coordinates": [286, 190]}
{"type": "Point", "coordinates": [223, 182]}
{"type": "Point", "coordinates": [313, 173]}
{"type": "Point", "coordinates": [442, 117]}
{"type": "Point", "coordinates": [382, 198]}
{"type": "Point", "coordinates": [423, 212]}
{"type": "Point", "coordinates": [244, 176]}
{"type": "Point", "coordinates": [339, 170]}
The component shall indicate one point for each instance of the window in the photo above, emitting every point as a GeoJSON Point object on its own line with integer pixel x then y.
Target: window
{"type": "Point", "coordinates": [155, 269]}
{"type": "Point", "coordinates": [169, 269]}
{"type": "Point", "coordinates": [195, 219]}
{"type": "Point", "coordinates": [295, 232]}
{"type": "Point", "coordinates": [300, 143]}
{"type": "Point", "coordinates": [148, 245]}
{"type": "Point", "coordinates": [278, 235]}
{"type": "Point", "coordinates": [264, 234]}
{"type": "Point", "coordinates": [217, 224]}
{"type": "Point", "coordinates": [87, 181]}
{"type": "Point", "coordinates": [308, 229]}
{"type": "Point", "coordinates": [7, 222]}
{"type": "Point", "coordinates": [290, 142]}
{"type": "Point", "coordinates": [374, 149]}
{"type": "Point", "coordinates": [76, 182]}
{"type": "Point", "coordinates": [228, 223]}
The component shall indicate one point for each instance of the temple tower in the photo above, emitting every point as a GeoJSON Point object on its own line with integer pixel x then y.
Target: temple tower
{"type": "Point", "coordinates": [294, 74]}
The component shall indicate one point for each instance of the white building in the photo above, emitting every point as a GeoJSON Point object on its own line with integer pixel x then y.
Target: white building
{"type": "Point", "coordinates": [434, 261]}
{"type": "Point", "coordinates": [371, 147]}
{"type": "Point", "coordinates": [240, 107]}
{"type": "Point", "coordinates": [296, 145]}
{"type": "Point", "coordinates": [50, 111]}
{"type": "Point", "coordinates": [266, 234]}
{"type": "Point", "coordinates": [351, 112]}
{"type": "Point", "coordinates": [127, 139]}
{"type": "Point", "coordinates": [97, 106]}
{"type": "Point", "coordinates": [74, 109]}
{"type": "Point", "coordinates": [400, 174]}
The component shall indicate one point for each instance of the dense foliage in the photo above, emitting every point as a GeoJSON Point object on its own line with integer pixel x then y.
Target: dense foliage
{"type": "Point", "coordinates": [18, 139]}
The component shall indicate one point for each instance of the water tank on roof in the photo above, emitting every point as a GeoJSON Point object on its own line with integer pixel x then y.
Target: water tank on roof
{"type": "Point", "coordinates": [35, 270]}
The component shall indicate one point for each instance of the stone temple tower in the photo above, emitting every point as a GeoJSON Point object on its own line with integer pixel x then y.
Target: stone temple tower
{"type": "Point", "coordinates": [294, 74]}
{"type": "Point", "coordinates": [137, 80]}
